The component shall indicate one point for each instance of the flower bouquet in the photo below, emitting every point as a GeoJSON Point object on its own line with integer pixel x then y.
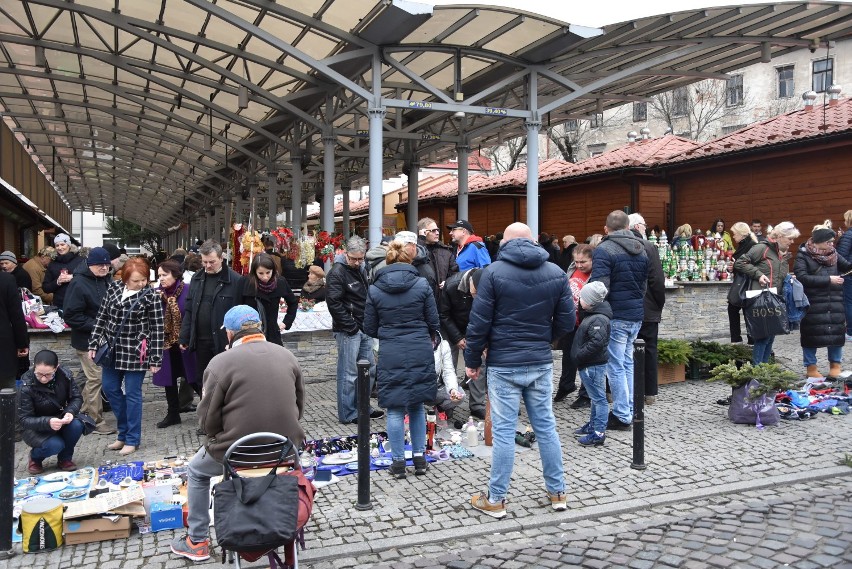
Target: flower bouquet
{"type": "Point", "coordinates": [286, 243]}
{"type": "Point", "coordinates": [307, 304]}
{"type": "Point", "coordinates": [250, 246]}
{"type": "Point", "coordinates": [327, 245]}
{"type": "Point", "coordinates": [307, 252]}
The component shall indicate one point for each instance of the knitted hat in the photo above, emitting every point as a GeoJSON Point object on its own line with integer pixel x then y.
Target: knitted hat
{"type": "Point", "coordinates": [98, 256]}
{"type": "Point", "coordinates": [8, 256]}
{"type": "Point", "coordinates": [406, 237]}
{"type": "Point", "coordinates": [593, 293]}
{"type": "Point", "coordinates": [61, 238]}
{"type": "Point", "coordinates": [113, 251]}
{"type": "Point", "coordinates": [821, 235]}
{"type": "Point", "coordinates": [241, 317]}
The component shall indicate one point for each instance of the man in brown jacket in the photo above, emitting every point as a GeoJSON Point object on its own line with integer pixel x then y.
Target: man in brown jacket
{"type": "Point", "coordinates": [242, 396]}
{"type": "Point", "coordinates": [37, 267]}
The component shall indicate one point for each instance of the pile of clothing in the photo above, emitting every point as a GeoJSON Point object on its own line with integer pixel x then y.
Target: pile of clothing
{"type": "Point", "coordinates": [827, 396]}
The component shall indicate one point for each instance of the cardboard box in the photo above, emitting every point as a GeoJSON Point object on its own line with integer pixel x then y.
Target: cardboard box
{"type": "Point", "coordinates": [103, 503]}
{"type": "Point", "coordinates": [88, 530]}
{"type": "Point", "coordinates": [157, 493]}
{"type": "Point", "coordinates": [166, 516]}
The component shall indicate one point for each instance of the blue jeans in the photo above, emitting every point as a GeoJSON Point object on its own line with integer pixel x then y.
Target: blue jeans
{"type": "Point", "coordinates": [350, 349]}
{"type": "Point", "coordinates": [619, 368]}
{"type": "Point", "coordinates": [61, 443]}
{"type": "Point", "coordinates": [762, 350]}
{"type": "Point", "coordinates": [594, 378]}
{"type": "Point", "coordinates": [416, 425]}
{"type": "Point", "coordinates": [127, 404]}
{"type": "Point", "coordinates": [506, 387]}
{"type": "Point", "coordinates": [835, 354]}
{"type": "Point", "coordinates": [847, 303]}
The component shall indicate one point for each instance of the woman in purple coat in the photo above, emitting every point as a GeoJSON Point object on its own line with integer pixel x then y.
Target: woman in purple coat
{"type": "Point", "coordinates": [176, 364]}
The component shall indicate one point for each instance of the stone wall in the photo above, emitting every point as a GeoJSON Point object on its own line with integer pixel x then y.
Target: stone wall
{"type": "Point", "coordinates": [696, 311]}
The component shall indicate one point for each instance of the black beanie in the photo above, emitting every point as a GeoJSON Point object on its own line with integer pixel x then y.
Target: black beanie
{"type": "Point", "coordinates": [823, 235]}
{"type": "Point", "coordinates": [113, 251]}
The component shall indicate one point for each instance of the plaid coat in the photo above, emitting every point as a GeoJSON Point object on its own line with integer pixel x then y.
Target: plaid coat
{"type": "Point", "coordinates": [144, 324]}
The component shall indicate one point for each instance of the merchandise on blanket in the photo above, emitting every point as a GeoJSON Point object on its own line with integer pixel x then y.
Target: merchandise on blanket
{"type": "Point", "coordinates": [798, 398]}
{"type": "Point", "coordinates": [115, 474]}
{"type": "Point", "coordinates": [332, 445]}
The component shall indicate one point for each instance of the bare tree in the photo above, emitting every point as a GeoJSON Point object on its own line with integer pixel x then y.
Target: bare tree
{"type": "Point", "coordinates": [690, 111]}
{"type": "Point", "coordinates": [506, 156]}
{"type": "Point", "coordinates": [571, 138]}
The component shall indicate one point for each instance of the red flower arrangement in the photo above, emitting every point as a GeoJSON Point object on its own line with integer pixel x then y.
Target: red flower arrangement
{"type": "Point", "coordinates": [327, 244]}
{"type": "Point", "coordinates": [286, 243]}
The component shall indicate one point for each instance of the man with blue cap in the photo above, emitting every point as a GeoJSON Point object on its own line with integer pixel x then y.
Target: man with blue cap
{"type": "Point", "coordinates": [254, 386]}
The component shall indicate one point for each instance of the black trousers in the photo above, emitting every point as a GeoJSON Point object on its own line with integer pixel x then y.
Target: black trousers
{"type": "Point", "coordinates": [735, 324]}
{"type": "Point", "coordinates": [568, 378]}
{"type": "Point", "coordinates": [649, 332]}
{"type": "Point", "coordinates": [204, 352]}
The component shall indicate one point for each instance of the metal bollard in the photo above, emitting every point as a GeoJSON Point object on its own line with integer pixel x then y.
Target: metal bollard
{"type": "Point", "coordinates": [638, 405]}
{"type": "Point", "coordinates": [7, 469]}
{"type": "Point", "coordinates": [363, 389]}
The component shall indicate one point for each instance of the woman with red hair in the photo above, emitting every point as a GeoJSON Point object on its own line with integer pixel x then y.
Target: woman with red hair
{"type": "Point", "coordinates": [131, 319]}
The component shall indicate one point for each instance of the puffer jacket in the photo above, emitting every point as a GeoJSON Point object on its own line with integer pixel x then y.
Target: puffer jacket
{"type": "Point", "coordinates": [69, 261]}
{"type": "Point", "coordinates": [346, 296]}
{"type": "Point", "coordinates": [473, 254]}
{"type": "Point", "coordinates": [424, 269]}
{"type": "Point", "coordinates": [825, 322]}
{"type": "Point", "coordinates": [522, 303]}
{"type": "Point", "coordinates": [591, 341]}
{"type": "Point", "coordinates": [844, 249]}
{"type": "Point", "coordinates": [764, 259]}
{"type": "Point", "coordinates": [621, 263]}
{"type": "Point", "coordinates": [84, 296]}
{"type": "Point", "coordinates": [401, 313]}
{"type": "Point", "coordinates": [38, 404]}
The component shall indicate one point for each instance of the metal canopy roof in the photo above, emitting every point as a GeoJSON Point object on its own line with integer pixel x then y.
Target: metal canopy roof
{"type": "Point", "coordinates": [116, 97]}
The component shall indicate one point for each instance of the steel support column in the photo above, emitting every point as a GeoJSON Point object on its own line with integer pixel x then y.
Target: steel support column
{"type": "Point", "coordinates": [345, 190]}
{"type": "Point", "coordinates": [296, 195]}
{"type": "Point", "coordinates": [533, 128]}
{"type": "Point", "coordinates": [463, 153]}
{"type": "Point", "coordinates": [377, 115]}
{"type": "Point", "coordinates": [413, 214]}
{"type": "Point", "coordinates": [273, 200]}
{"type": "Point", "coordinates": [327, 206]}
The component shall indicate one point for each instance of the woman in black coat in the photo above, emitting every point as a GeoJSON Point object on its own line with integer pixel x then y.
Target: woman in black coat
{"type": "Point", "coordinates": [402, 314]}
{"type": "Point", "coordinates": [48, 405]}
{"type": "Point", "coordinates": [818, 268]}
{"type": "Point", "coordinates": [14, 340]}
{"type": "Point", "coordinates": [745, 239]}
{"type": "Point", "coordinates": [264, 290]}
{"type": "Point", "coordinates": [61, 269]}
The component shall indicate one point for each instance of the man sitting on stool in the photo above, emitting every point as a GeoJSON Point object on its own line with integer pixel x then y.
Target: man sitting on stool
{"type": "Point", "coordinates": [240, 398]}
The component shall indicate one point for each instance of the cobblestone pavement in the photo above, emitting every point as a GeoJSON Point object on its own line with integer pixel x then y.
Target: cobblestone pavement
{"type": "Point", "coordinates": [693, 454]}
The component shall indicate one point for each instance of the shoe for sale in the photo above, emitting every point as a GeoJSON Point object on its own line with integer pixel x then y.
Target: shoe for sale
{"type": "Point", "coordinates": [185, 547]}
{"type": "Point", "coordinates": [67, 465]}
{"type": "Point", "coordinates": [558, 501]}
{"type": "Point", "coordinates": [614, 423]}
{"type": "Point", "coordinates": [480, 502]}
{"type": "Point", "coordinates": [420, 465]}
{"type": "Point", "coordinates": [584, 430]}
{"type": "Point", "coordinates": [34, 466]}
{"type": "Point", "coordinates": [397, 469]}
{"type": "Point", "coordinates": [581, 403]}
{"type": "Point", "coordinates": [593, 439]}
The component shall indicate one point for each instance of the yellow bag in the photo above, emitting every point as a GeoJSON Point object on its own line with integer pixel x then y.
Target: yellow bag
{"type": "Point", "coordinates": [41, 525]}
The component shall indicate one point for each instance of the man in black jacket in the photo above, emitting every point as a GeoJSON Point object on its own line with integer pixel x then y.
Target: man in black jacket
{"type": "Point", "coordinates": [346, 296]}
{"type": "Point", "coordinates": [212, 292]}
{"type": "Point", "coordinates": [442, 257]}
{"type": "Point", "coordinates": [655, 299]}
{"type": "Point", "coordinates": [454, 311]}
{"type": "Point", "coordinates": [82, 301]}
{"type": "Point", "coordinates": [14, 340]}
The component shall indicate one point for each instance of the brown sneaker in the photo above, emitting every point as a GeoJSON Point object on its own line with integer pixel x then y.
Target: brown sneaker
{"type": "Point", "coordinates": [558, 501]}
{"type": "Point", "coordinates": [480, 502]}
{"type": "Point", "coordinates": [35, 467]}
{"type": "Point", "coordinates": [67, 465]}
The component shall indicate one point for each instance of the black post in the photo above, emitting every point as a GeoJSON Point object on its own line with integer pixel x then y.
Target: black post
{"type": "Point", "coordinates": [363, 389]}
{"type": "Point", "coordinates": [7, 469]}
{"type": "Point", "coordinates": [638, 405]}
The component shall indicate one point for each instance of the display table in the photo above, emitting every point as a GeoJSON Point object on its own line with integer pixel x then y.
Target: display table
{"type": "Point", "coordinates": [318, 318]}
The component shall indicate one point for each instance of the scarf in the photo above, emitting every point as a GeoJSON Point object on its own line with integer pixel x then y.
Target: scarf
{"type": "Point", "coordinates": [828, 260]}
{"type": "Point", "coordinates": [172, 316]}
{"type": "Point", "coordinates": [313, 287]}
{"type": "Point", "coordinates": [268, 287]}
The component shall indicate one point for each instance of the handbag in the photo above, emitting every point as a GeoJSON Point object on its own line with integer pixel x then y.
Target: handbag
{"type": "Point", "coordinates": [256, 514]}
{"type": "Point", "coordinates": [105, 354]}
{"type": "Point", "coordinates": [766, 315]}
{"type": "Point", "coordinates": [88, 423]}
{"type": "Point", "coordinates": [736, 294]}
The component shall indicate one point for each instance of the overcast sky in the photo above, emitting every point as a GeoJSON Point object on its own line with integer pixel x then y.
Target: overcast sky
{"type": "Point", "coordinates": [600, 12]}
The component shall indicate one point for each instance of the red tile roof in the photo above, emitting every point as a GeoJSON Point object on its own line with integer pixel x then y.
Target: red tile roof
{"type": "Point", "coordinates": [642, 153]}
{"type": "Point", "coordinates": [797, 125]}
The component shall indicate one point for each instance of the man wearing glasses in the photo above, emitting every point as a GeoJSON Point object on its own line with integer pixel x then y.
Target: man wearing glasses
{"type": "Point", "coordinates": [472, 252]}
{"type": "Point", "coordinates": [346, 296]}
{"type": "Point", "coordinates": [441, 257]}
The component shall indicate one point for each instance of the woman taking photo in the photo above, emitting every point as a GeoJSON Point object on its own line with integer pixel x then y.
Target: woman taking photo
{"type": "Point", "coordinates": [48, 404]}
{"type": "Point", "coordinates": [131, 319]}
{"type": "Point", "coordinates": [402, 314]}
{"type": "Point", "coordinates": [176, 363]}
{"type": "Point", "coordinates": [767, 264]}
{"type": "Point", "coordinates": [744, 240]}
{"type": "Point", "coordinates": [314, 288]}
{"type": "Point", "coordinates": [264, 290]}
{"type": "Point", "coordinates": [818, 267]}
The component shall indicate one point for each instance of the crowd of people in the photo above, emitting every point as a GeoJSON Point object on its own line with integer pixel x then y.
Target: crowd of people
{"type": "Point", "coordinates": [411, 306]}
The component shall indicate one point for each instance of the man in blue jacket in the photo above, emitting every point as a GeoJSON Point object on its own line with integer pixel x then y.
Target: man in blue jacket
{"type": "Point", "coordinates": [472, 252]}
{"type": "Point", "coordinates": [522, 304]}
{"type": "Point", "coordinates": [621, 264]}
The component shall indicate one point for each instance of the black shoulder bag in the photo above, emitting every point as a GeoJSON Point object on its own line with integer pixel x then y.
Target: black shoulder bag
{"type": "Point", "coordinates": [105, 354]}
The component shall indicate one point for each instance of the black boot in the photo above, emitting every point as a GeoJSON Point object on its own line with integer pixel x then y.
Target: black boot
{"type": "Point", "coordinates": [397, 469]}
{"type": "Point", "coordinates": [173, 414]}
{"type": "Point", "coordinates": [420, 465]}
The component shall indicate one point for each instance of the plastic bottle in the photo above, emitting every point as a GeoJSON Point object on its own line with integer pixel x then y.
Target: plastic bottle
{"type": "Point", "coordinates": [308, 463]}
{"type": "Point", "coordinates": [472, 433]}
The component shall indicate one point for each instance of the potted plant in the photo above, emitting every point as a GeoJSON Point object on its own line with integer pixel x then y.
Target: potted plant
{"type": "Point", "coordinates": [672, 357]}
{"type": "Point", "coordinates": [753, 390]}
{"type": "Point", "coordinates": [706, 356]}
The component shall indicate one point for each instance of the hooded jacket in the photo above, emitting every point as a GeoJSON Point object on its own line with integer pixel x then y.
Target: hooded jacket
{"type": "Point", "coordinates": [401, 313]}
{"type": "Point", "coordinates": [591, 341]}
{"type": "Point", "coordinates": [424, 268]}
{"type": "Point", "coordinates": [38, 404]}
{"type": "Point", "coordinates": [522, 303]}
{"type": "Point", "coordinates": [825, 322]}
{"type": "Point", "coordinates": [345, 296]}
{"type": "Point", "coordinates": [82, 300]}
{"type": "Point", "coordinates": [473, 254]}
{"type": "Point", "coordinates": [69, 261]}
{"type": "Point", "coordinates": [621, 263]}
